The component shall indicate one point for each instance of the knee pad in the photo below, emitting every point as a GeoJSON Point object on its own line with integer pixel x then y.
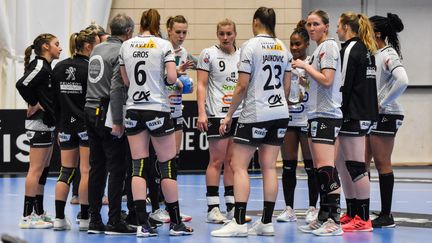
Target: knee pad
{"type": "Point", "coordinates": [329, 179]}
{"type": "Point", "coordinates": [289, 167]}
{"type": "Point", "coordinates": [44, 175]}
{"type": "Point", "coordinates": [357, 170]}
{"type": "Point", "coordinates": [67, 175]}
{"type": "Point", "coordinates": [168, 169]}
{"type": "Point", "coordinates": [308, 166]}
{"type": "Point", "coordinates": [140, 168]}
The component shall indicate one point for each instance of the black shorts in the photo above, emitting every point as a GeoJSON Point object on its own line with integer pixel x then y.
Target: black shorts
{"type": "Point", "coordinates": [301, 131]}
{"type": "Point", "coordinates": [268, 132]}
{"type": "Point", "coordinates": [213, 128]}
{"type": "Point", "coordinates": [387, 125]}
{"type": "Point", "coordinates": [355, 128]}
{"type": "Point", "coordinates": [40, 139]}
{"type": "Point", "coordinates": [324, 130]}
{"type": "Point", "coordinates": [178, 123]}
{"type": "Point", "coordinates": [72, 138]}
{"type": "Point", "coordinates": [158, 123]}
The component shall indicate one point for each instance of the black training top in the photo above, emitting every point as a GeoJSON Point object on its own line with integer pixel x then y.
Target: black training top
{"type": "Point", "coordinates": [359, 92]}
{"type": "Point", "coordinates": [35, 86]}
{"type": "Point", "coordinates": [70, 82]}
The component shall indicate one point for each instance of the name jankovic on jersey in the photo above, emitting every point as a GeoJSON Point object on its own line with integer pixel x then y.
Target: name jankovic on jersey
{"type": "Point", "coordinates": [272, 58]}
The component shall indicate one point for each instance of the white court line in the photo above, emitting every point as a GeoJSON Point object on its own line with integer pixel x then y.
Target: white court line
{"type": "Point", "coordinates": [401, 201]}
{"type": "Point", "coordinates": [13, 195]}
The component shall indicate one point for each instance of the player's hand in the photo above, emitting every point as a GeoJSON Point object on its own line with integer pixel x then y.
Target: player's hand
{"type": "Point", "coordinates": [117, 130]}
{"type": "Point", "coordinates": [202, 123]}
{"type": "Point", "coordinates": [32, 109]}
{"type": "Point", "coordinates": [298, 63]}
{"type": "Point", "coordinates": [225, 125]}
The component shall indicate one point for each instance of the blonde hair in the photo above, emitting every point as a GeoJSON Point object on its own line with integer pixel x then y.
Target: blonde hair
{"type": "Point", "coordinates": [360, 24]}
{"type": "Point", "coordinates": [77, 40]}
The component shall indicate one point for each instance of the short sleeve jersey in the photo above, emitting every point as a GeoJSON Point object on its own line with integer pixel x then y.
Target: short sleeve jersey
{"type": "Point", "coordinates": [298, 112]}
{"type": "Point", "coordinates": [222, 79]}
{"type": "Point", "coordinates": [174, 92]}
{"type": "Point", "coordinates": [144, 59]}
{"type": "Point", "coordinates": [266, 59]}
{"type": "Point", "coordinates": [325, 102]}
{"type": "Point", "coordinates": [387, 60]}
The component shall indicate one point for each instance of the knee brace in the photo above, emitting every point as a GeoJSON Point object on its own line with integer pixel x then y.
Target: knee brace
{"type": "Point", "coordinates": [140, 168]}
{"type": "Point", "coordinates": [308, 166]}
{"type": "Point", "coordinates": [289, 168]}
{"type": "Point", "coordinates": [329, 179]}
{"type": "Point", "coordinates": [168, 169]}
{"type": "Point", "coordinates": [66, 175]}
{"type": "Point", "coordinates": [44, 175]}
{"type": "Point", "coordinates": [357, 170]}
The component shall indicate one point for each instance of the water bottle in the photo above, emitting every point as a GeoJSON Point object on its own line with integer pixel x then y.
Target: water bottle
{"type": "Point", "coordinates": [294, 96]}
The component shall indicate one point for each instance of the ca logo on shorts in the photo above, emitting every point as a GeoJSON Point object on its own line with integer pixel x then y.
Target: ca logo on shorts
{"type": "Point", "coordinates": [398, 123]}
{"type": "Point", "coordinates": [129, 123]}
{"type": "Point", "coordinates": [258, 132]}
{"type": "Point", "coordinates": [64, 137]}
{"type": "Point", "coordinates": [314, 128]}
{"type": "Point", "coordinates": [281, 132]}
{"type": "Point", "coordinates": [156, 123]}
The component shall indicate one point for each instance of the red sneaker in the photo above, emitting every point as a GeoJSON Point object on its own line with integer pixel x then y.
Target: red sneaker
{"type": "Point", "coordinates": [358, 224]}
{"type": "Point", "coordinates": [345, 219]}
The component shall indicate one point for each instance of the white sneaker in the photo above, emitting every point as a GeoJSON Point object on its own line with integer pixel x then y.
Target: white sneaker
{"type": "Point", "coordinates": [215, 216]}
{"type": "Point", "coordinates": [62, 224]}
{"type": "Point", "coordinates": [231, 229]}
{"type": "Point", "coordinates": [230, 215]}
{"type": "Point", "coordinates": [34, 222]}
{"type": "Point", "coordinates": [311, 214]}
{"type": "Point", "coordinates": [288, 215]}
{"type": "Point", "coordinates": [47, 218]}
{"type": "Point", "coordinates": [160, 215]}
{"type": "Point", "coordinates": [314, 225]}
{"type": "Point", "coordinates": [84, 224]}
{"type": "Point", "coordinates": [259, 228]}
{"type": "Point", "coordinates": [329, 228]}
{"type": "Point", "coordinates": [185, 217]}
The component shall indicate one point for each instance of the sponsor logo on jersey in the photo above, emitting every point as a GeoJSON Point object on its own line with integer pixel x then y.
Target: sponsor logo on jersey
{"type": "Point", "coordinates": [275, 100]}
{"type": "Point", "coordinates": [370, 72]}
{"type": "Point", "coordinates": [226, 99]}
{"type": "Point", "coordinates": [64, 137]}
{"type": "Point", "coordinates": [83, 135]}
{"type": "Point", "coordinates": [272, 46]}
{"type": "Point", "coordinates": [398, 123]}
{"type": "Point", "coordinates": [72, 120]}
{"type": "Point", "coordinates": [156, 123]}
{"type": "Point", "coordinates": [149, 44]}
{"type": "Point", "coordinates": [226, 88]}
{"type": "Point", "coordinates": [70, 72]}
{"type": "Point", "coordinates": [70, 88]}
{"type": "Point", "coordinates": [96, 69]}
{"type": "Point", "coordinates": [175, 99]}
{"type": "Point", "coordinates": [281, 132]}
{"type": "Point", "coordinates": [129, 123]}
{"type": "Point", "coordinates": [258, 132]}
{"type": "Point", "coordinates": [230, 79]}
{"type": "Point", "coordinates": [323, 126]}
{"type": "Point", "coordinates": [225, 109]}
{"type": "Point", "coordinates": [313, 128]}
{"type": "Point", "coordinates": [140, 96]}
{"type": "Point", "coordinates": [206, 57]}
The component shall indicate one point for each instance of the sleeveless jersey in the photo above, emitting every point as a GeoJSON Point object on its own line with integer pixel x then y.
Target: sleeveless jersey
{"type": "Point", "coordinates": [266, 59]}
{"type": "Point", "coordinates": [144, 58]}
{"type": "Point", "coordinates": [222, 79]}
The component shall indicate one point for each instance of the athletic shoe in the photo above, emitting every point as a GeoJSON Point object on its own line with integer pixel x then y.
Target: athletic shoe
{"type": "Point", "coordinates": [96, 227]}
{"type": "Point", "coordinates": [231, 229]}
{"type": "Point", "coordinates": [46, 217]}
{"type": "Point", "coordinates": [230, 216]}
{"type": "Point", "coordinates": [345, 219]}
{"type": "Point", "coordinates": [74, 200]}
{"type": "Point", "coordinates": [314, 225]}
{"type": "Point", "coordinates": [259, 228]}
{"type": "Point", "coordinates": [358, 224]}
{"type": "Point", "coordinates": [146, 230]}
{"type": "Point", "coordinates": [84, 224]}
{"type": "Point", "coordinates": [180, 229]}
{"type": "Point", "coordinates": [329, 228]}
{"type": "Point", "coordinates": [34, 222]}
{"type": "Point", "coordinates": [288, 215]}
{"type": "Point", "coordinates": [160, 215]}
{"type": "Point", "coordinates": [185, 217]}
{"type": "Point", "coordinates": [215, 216]}
{"type": "Point", "coordinates": [311, 214]}
{"type": "Point", "coordinates": [383, 221]}
{"type": "Point", "coordinates": [62, 224]}
{"type": "Point", "coordinates": [119, 228]}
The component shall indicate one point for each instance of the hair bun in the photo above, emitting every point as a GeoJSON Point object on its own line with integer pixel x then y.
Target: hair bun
{"type": "Point", "coordinates": [301, 25]}
{"type": "Point", "coordinates": [395, 22]}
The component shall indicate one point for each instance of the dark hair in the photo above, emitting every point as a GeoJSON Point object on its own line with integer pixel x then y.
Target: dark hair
{"type": "Point", "coordinates": [37, 47]}
{"type": "Point", "coordinates": [388, 27]}
{"type": "Point", "coordinates": [300, 30]}
{"type": "Point", "coordinates": [77, 40]}
{"type": "Point", "coordinates": [176, 19]}
{"type": "Point", "coordinates": [121, 24]}
{"type": "Point", "coordinates": [150, 21]}
{"type": "Point", "coordinates": [322, 14]}
{"type": "Point", "coordinates": [267, 17]}
{"type": "Point", "coordinates": [360, 24]}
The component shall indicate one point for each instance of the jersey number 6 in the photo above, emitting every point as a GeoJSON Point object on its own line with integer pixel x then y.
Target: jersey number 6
{"type": "Point", "coordinates": [140, 75]}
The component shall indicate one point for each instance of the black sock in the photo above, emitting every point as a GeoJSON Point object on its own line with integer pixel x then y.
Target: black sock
{"type": "Point", "coordinates": [59, 208]}
{"type": "Point", "coordinates": [212, 191]}
{"type": "Point", "coordinates": [153, 189]}
{"type": "Point", "coordinates": [141, 211]}
{"type": "Point", "coordinates": [84, 211]}
{"type": "Point", "coordinates": [240, 212]}
{"type": "Point", "coordinates": [174, 212]}
{"type": "Point", "coordinates": [289, 181]}
{"type": "Point", "coordinates": [351, 207]}
{"type": "Point", "coordinates": [386, 182]}
{"type": "Point", "coordinates": [267, 212]}
{"type": "Point", "coordinates": [312, 182]}
{"type": "Point", "coordinates": [38, 204]}
{"type": "Point", "coordinates": [363, 208]}
{"type": "Point", "coordinates": [28, 205]}
{"type": "Point", "coordinates": [229, 192]}
{"type": "Point", "coordinates": [334, 206]}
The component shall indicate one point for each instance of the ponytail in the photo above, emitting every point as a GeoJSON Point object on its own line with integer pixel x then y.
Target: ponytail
{"type": "Point", "coordinates": [366, 33]}
{"type": "Point", "coordinates": [389, 27]}
{"type": "Point", "coordinates": [267, 17]}
{"type": "Point", "coordinates": [150, 21]}
{"type": "Point", "coordinates": [72, 44]}
{"type": "Point", "coordinates": [300, 29]}
{"type": "Point", "coordinates": [27, 54]}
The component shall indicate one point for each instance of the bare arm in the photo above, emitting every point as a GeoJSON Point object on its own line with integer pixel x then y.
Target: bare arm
{"type": "Point", "coordinates": [202, 77]}
{"type": "Point", "coordinates": [170, 68]}
{"type": "Point", "coordinates": [124, 75]}
{"type": "Point", "coordinates": [324, 77]}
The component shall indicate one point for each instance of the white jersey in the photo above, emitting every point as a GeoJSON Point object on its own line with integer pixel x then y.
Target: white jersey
{"type": "Point", "coordinates": [387, 60]}
{"type": "Point", "coordinates": [298, 112]}
{"type": "Point", "coordinates": [266, 59]}
{"type": "Point", "coordinates": [174, 92]}
{"type": "Point", "coordinates": [222, 79]}
{"type": "Point", "coordinates": [144, 58]}
{"type": "Point", "coordinates": [325, 102]}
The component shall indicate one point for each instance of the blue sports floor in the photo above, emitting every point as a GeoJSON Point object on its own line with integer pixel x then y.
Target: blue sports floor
{"type": "Point", "coordinates": [412, 207]}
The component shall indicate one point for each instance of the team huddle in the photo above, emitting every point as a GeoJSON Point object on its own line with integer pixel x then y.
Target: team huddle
{"type": "Point", "coordinates": [116, 105]}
